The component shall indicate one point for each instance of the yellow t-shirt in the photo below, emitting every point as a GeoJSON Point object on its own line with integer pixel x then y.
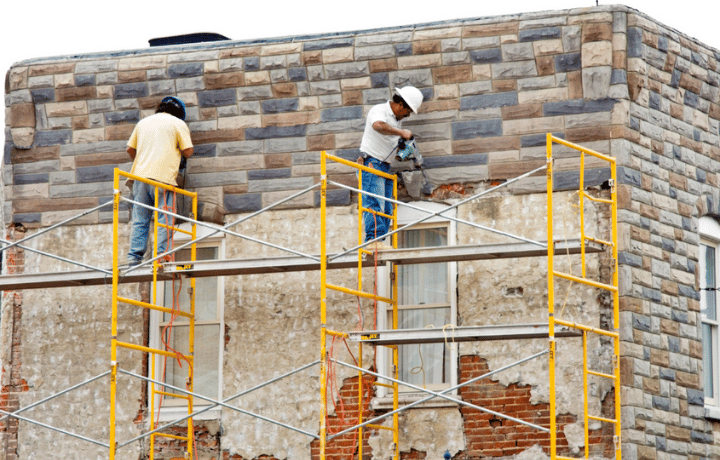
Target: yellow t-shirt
{"type": "Point", "coordinates": [158, 140]}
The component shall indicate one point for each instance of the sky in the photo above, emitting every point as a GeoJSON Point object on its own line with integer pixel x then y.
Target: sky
{"type": "Point", "coordinates": [41, 28]}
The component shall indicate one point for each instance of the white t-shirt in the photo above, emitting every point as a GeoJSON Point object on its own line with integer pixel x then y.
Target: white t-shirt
{"type": "Point", "coordinates": [375, 144]}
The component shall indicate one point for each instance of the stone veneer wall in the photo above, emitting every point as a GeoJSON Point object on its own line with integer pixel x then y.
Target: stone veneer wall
{"type": "Point", "coordinates": [607, 77]}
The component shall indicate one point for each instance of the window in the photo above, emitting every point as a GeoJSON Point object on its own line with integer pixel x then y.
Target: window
{"type": "Point", "coordinates": [709, 253]}
{"type": "Point", "coordinates": [426, 298]}
{"type": "Point", "coordinates": [173, 332]}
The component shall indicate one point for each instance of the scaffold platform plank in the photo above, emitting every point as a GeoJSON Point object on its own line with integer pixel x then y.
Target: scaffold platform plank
{"type": "Point", "coordinates": [461, 334]}
{"type": "Point", "coordinates": [266, 265]}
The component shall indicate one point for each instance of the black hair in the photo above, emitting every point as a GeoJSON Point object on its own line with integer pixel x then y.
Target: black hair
{"type": "Point", "coordinates": [173, 106]}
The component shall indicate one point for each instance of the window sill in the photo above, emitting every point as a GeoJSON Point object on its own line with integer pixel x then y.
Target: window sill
{"type": "Point", "coordinates": [712, 412]}
{"type": "Point", "coordinates": [169, 414]}
{"type": "Point", "coordinates": [386, 403]}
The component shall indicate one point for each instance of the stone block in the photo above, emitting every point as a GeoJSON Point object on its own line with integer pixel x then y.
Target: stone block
{"type": "Point", "coordinates": [486, 56]}
{"type": "Point", "coordinates": [239, 203]}
{"type": "Point", "coordinates": [50, 138]}
{"type": "Point", "coordinates": [279, 105]}
{"type": "Point", "coordinates": [489, 101]}
{"type": "Point", "coordinates": [66, 109]}
{"type": "Point", "coordinates": [224, 80]}
{"type": "Point", "coordinates": [185, 70]}
{"type": "Point", "coordinates": [22, 115]}
{"type": "Point", "coordinates": [116, 118]}
{"type": "Point", "coordinates": [568, 62]}
{"type": "Point", "coordinates": [273, 185]}
{"type": "Point", "coordinates": [131, 90]}
{"type": "Point", "coordinates": [42, 95]}
{"type": "Point", "coordinates": [216, 98]}
{"type": "Point", "coordinates": [215, 179]}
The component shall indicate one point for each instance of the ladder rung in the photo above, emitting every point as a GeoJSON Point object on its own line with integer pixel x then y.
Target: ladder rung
{"type": "Point", "coordinates": [173, 436]}
{"type": "Point", "coordinates": [600, 374]}
{"type": "Point", "coordinates": [586, 328]}
{"type": "Point", "coordinates": [588, 282]}
{"type": "Point", "coordinates": [602, 419]}
{"type": "Point", "coordinates": [381, 427]}
{"type": "Point", "coordinates": [381, 214]}
{"type": "Point", "coordinates": [359, 293]}
{"type": "Point", "coordinates": [599, 241]}
{"type": "Point", "coordinates": [386, 385]}
{"type": "Point", "coordinates": [172, 395]}
{"type": "Point", "coordinates": [132, 346]}
{"type": "Point", "coordinates": [150, 306]}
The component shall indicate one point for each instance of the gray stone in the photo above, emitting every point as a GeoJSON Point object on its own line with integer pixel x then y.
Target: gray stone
{"type": "Point", "coordinates": [272, 185]}
{"type": "Point", "coordinates": [596, 82]}
{"type": "Point", "coordinates": [324, 44]}
{"type": "Point", "coordinates": [48, 138]}
{"type": "Point", "coordinates": [343, 113]}
{"type": "Point", "coordinates": [254, 93]}
{"type": "Point", "coordinates": [488, 101]}
{"type": "Point", "coordinates": [518, 52]}
{"type": "Point", "coordinates": [215, 179]}
{"type": "Point", "coordinates": [185, 70]}
{"type": "Point", "coordinates": [272, 132]}
{"type": "Point", "coordinates": [476, 128]}
{"type": "Point", "coordinates": [280, 105]}
{"type": "Point", "coordinates": [266, 174]}
{"type": "Point", "coordinates": [131, 90]}
{"type": "Point", "coordinates": [486, 56]}
{"type": "Point", "coordinates": [215, 98]}
{"type": "Point", "coordinates": [116, 118]}
{"type": "Point", "coordinates": [238, 203]}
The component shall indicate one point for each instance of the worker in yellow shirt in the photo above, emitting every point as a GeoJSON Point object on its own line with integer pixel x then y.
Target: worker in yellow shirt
{"type": "Point", "coordinates": [156, 146]}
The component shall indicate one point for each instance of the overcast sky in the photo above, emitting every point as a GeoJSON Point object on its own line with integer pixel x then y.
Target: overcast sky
{"type": "Point", "coordinates": [42, 28]}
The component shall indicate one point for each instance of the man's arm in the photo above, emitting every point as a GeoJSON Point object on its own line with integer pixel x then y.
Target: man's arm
{"type": "Point", "coordinates": [132, 152]}
{"type": "Point", "coordinates": [387, 130]}
{"type": "Point", "coordinates": [187, 153]}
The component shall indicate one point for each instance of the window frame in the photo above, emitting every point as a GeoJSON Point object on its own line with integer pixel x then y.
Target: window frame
{"type": "Point", "coordinates": [709, 230]}
{"type": "Point", "coordinates": [383, 397]}
{"type": "Point", "coordinates": [178, 408]}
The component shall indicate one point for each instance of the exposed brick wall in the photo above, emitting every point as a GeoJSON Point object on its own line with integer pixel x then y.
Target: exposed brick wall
{"type": "Point", "coordinates": [491, 436]}
{"type": "Point", "coordinates": [12, 382]}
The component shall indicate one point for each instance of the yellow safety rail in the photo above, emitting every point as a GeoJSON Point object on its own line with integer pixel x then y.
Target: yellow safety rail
{"type": "Point", "coordinates": [613, 288]}
{"type": "Point", "coordinates": [190, 315]}
{"type": "Point", "coordinates": [392, 300]}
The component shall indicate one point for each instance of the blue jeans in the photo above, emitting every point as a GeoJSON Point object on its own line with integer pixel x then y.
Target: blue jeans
{"type": "Point", "coordinates": [142, 218]}
{"type": "Point", "coordinates": [379, 186]}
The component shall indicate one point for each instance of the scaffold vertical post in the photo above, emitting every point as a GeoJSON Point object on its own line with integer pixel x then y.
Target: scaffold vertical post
{"type": "Point", "coordinates": [551, 297]}
{"type": "Point", "coordinates": [114, 319]}
{"type": "Point", "coordinates": [323, 304]}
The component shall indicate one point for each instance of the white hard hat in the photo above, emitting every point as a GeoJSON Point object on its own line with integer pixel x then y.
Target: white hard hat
{"type": "Point", "coordinates": [412, 96]}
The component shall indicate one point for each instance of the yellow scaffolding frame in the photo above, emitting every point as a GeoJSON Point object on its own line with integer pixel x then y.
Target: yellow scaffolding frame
{"type": "Point", "coordinates": [613, 288]}
{"type": "Point", "coordinates": [153, 352]}
{"type": "Point", "coordinates": [324, 286]}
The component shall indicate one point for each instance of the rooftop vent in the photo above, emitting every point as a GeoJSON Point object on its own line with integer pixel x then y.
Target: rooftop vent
{"type": "Point", "coordinates": [199, 37]}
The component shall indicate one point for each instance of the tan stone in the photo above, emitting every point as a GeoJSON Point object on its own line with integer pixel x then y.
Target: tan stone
{"type": "Point", "coordinates": [321, 142]}
{"type": "Point", "coordinates": [51, 69]}
{"type": "Point", "coordinates": [230, 163]}
{"type": "Point", "coordinates": [291, 119]}
{"type": "Point", "coordinates": [597, 31]}
{"type": "Point", "coordinates": [333, 55]}
{"type": "Point", "coordinates": [501, 86]}
{"type": "Point", "coordinates": [437, 33]}
{"type": "Point", "coordinates": [416, 62]}
{"type": "Point", "coordinates": [354, 97]}
{"type": "Point", "coordinates": [383, 65]}
{"type": "Point", "coordinates": [596, 54]}
{"type": "Point", "coordinates": [532, 126]}
{"type": "Point", "coordinates": [22, 115]}
{"type": "Point", "coordinates": [426, 47]}
{"type": "Point", "coordinates": [66, 109]}
{"type": "Point", "coordinates": [132, 76]}
{"type": "Point", "coordinates": [284, 90]}
{"type": "Point", "coordinates": [64, 80]}
{"type": "Point", "coordinates": [545, 65]}
{"type": "Point", "coordinates": [356, 83]}
{"type": "Point", "coordinates": [545, 47]}
{"type": "Point", "coordinates": [143, 63]}
{"type": "Point", "coordinates": [97, 159]}
{"type": "Point", "coordinates": [22, 138]}
{"type": "Point", "coordinates": [311, 57]}
{"type": "Point", "coordinates": [85, 136]}
{"type": "Point", "coordinates": [516, 112]}
{"type": "Point", "coordinates": [450, 91]}
{"type": "Point", "coordinates": [257, 78]}
{"type": "Point", "coordinates": [18, 78]}
{"type": "Point", "coordinates": [75, 93]}
{"type": "Point", "coordinates": [542, 95]}
{"type": "Point", "coordinates": [491, 30]}
{"type": "Point", "coordinates": [219, 135]}
{"type": "Point", "coordinates": [281, 48]}
{"type": "Point", "coordinates": [239, 52]}
{"type": "Point", "coordinates": [452, 74]}
{"type": "Point", "coordinates": [224, 80]}
{"type": "Point", "coordinates": [482, 72]}
{"type": "Point", "coordinates": [239, 122]}
{"type": "Point", "coordinates": [278, 160]}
